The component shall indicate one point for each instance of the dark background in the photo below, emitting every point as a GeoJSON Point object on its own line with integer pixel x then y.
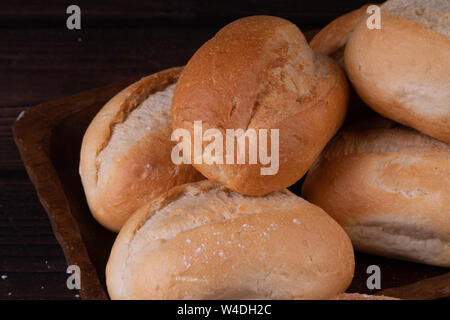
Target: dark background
{"type": "Point", "coordinates": [40, 60]}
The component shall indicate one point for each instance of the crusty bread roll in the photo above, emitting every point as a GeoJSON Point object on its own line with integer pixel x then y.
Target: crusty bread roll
{"type": "Point", "coordinates": [125, 155]}
{"type": "Point", "coordinates": [260, 73]}
{"type": "Point", "coordinates": [402, 69]}
{"type": "Point", "coordinates": [389, 187]}
{"type": "Point", "coordinates": [360, 296]}
{"type": "Point", "coordinates": [202, 241]}
{"type": "Point", "coordinates": [331, 40]}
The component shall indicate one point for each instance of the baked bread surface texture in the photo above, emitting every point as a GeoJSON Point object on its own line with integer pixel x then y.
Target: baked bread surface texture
{"type": "Point", "coordinates": [203, 241]}
{"type": "Point", "coordinates": [433, 14]}
{"type": "Point", "coordinates": [125, 158]}
{"type": "Point", "coordinates": [402, 70]}
{"type": "Point", "coordinates": [260, 73]}
{"type": "Point", "coordinates": [331, 40]}
{"type": "Point", "coordinates": [389, 187]}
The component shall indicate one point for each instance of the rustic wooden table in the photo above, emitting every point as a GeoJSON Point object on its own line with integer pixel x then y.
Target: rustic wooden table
{"type": "Point", "coordinates": [40, 59]}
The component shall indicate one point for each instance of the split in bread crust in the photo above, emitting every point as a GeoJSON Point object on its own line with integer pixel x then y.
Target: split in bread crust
{"type": "Point", "coordinates": [125, 155]}
{"type": "Point", "coordinates": [260, 73]}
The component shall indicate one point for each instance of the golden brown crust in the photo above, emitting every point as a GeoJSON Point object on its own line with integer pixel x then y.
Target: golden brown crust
{"type": "Point", "coordinates": [388, 187]}
{"type": "Point", "coordinates": [229, 247]}
{"type": "Point", "coordinates": [333, 37]}
{"type": "Point", "coordinates": [259, 73]}
{"type": "Point", "coordinates": [401, 71]}
{"type": "Point", "coordinates": [143, 172]}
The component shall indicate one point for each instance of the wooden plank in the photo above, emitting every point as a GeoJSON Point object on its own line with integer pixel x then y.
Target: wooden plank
{"type": "Point", "coordinates": [45, 64]}
{"type": "Point", "coordinates": [33, 134]}
{"type": "Point", "coordinates": [427, 289]}
{"type": "Point", "coordinates": [26, 13]}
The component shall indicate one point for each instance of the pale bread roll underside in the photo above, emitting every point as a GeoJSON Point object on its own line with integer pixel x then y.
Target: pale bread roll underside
{"type": "Point", "coordinates": [202, 241]}
{"type": "Point", "coordinates": [260, 73]}
{"type": "Point", "coordinates": [125, 155]}
{"type": "Point", "coordinates": [388, 186]}
{"type": "Point", "coordinates": [402, 70]}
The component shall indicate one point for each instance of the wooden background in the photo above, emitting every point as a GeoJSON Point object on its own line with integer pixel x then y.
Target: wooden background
{"type": "Point", "coordinates": [40, 59]}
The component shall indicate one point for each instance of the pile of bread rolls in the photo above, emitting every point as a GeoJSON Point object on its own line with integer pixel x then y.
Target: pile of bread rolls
{"type": "Point", "coordinates": [225, 231]}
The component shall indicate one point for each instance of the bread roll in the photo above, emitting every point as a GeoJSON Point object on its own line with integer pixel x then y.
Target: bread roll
{"type": "Point", "coordinates": [402, 70]}
{"type": "Point", "coordinates": [125, 155]}
{"type": "Point", "coordinates": [202, 241]}
{"type": "Point", "coordinates": [331, 40]}
{"type": "Point", "coordinates": [260, 73]}
{"type": "Point", "coordinates": [389, 187]}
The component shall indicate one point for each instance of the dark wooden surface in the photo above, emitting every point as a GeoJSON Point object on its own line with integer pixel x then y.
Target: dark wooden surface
{"type": "Point", "coordinates": [41, 60]}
